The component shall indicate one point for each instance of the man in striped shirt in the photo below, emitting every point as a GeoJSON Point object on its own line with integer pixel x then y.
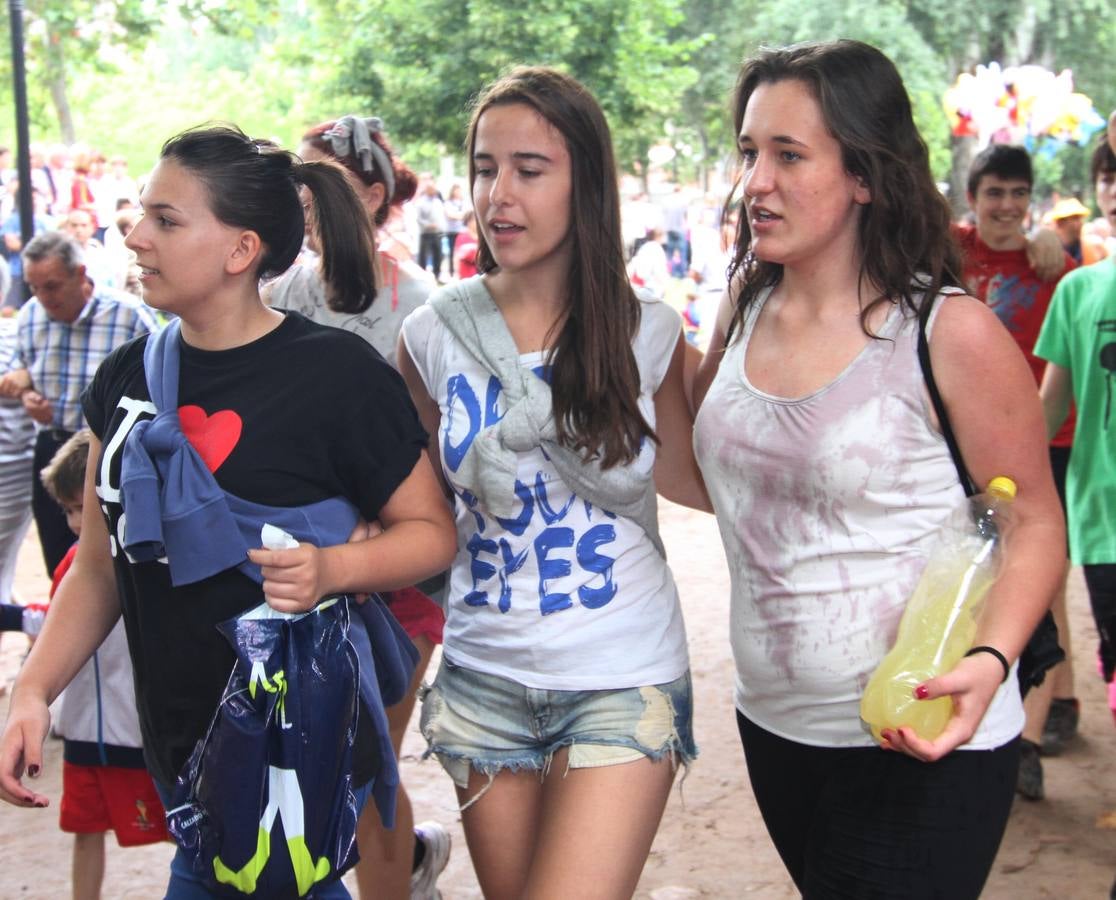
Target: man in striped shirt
{"type": "Point", "coordinates": [65, 330]}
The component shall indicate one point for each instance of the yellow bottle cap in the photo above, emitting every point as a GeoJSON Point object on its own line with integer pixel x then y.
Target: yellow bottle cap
{"type": "Point", "coordinates": [1003, 487]}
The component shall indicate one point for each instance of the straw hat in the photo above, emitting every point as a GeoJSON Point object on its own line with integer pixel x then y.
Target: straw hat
{"type": "Point", "coordinates": [1067, 209]}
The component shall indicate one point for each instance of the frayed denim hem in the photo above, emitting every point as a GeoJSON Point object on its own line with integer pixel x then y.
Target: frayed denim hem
{"type": "Point", "coordinates": [474, 722]}
{"type": "Point", "coordinates": [459, 765]}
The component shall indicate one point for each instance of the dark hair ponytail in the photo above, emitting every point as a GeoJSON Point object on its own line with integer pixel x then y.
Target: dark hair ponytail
{"type": "Point", "coordinates": [345, 236]}
{"type": "Point", "coordinates": [253, 184]}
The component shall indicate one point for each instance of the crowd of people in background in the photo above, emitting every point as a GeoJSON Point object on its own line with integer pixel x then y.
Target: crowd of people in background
{"type": "Point", "coordinates": [81, 192]}
{"type": "Point", "coordinates": [95, 199]}
{"type": "Point", "coordinates": [808, 291]}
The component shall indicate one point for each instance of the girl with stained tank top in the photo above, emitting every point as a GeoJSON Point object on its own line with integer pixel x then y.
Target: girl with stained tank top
{"type": "Point", "coordinates": [829, 477]}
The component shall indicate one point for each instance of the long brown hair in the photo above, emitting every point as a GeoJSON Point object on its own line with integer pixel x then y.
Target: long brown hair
{"type": "Point", "coordinates": [594, 379]}
{"type": "Point", "coordinates": [907, 251]}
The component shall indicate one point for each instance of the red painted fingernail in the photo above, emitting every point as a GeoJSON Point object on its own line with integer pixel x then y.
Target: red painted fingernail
{"type": "Point", "coordinates": [33, 771]}
{"type": "Point", "coordinates": [922, 692]}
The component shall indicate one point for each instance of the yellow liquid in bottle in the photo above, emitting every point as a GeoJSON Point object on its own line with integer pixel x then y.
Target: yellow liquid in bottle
{"type": "Point", "coordinates": [936, 631]}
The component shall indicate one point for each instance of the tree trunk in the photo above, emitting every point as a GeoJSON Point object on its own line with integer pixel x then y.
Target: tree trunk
{"type": "Point", "coordinates": [705, 166]}
{"type": "Point", "coordinates": [643, 162]}
{"type": "Point", "coordinates": [1026, 32]}
{"type": "Point", "coordinates": [962, 149]}
{"type": "Point", "coordinates": [56, 80]}
{"type": "Point", "coordinates": [62, 106]}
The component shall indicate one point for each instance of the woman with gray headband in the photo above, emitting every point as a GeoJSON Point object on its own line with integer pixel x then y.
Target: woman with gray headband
{"type": "Point", "coordinates": [404, 862]}
{"type": "Point", "coordinates": [383, 182]}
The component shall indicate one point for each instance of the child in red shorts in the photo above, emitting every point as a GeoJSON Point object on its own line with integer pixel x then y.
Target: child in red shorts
{"type": "Point", "coordinates": [105, 784]}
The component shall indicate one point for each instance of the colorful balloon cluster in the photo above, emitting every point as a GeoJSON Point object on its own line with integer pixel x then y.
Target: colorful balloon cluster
{"type": "Point", "coordinates": [1026, 105]}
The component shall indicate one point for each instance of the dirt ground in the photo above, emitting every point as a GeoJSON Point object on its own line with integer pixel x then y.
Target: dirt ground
{"type": "Point", "coordinates": [712, 842]}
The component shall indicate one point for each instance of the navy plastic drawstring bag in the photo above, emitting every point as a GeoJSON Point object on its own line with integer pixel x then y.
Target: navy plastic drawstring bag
{"type": "Point", "coordinates": [265, 806]}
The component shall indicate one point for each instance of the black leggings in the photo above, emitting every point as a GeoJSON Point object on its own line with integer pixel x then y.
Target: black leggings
{"type": "Point", "coordinates": [867, 824]}
{"type": "Point", "coordinates": [1101, 582]}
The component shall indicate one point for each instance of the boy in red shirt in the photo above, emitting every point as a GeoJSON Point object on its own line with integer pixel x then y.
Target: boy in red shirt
{"type": "Point", "coordinates": [1000, 268]}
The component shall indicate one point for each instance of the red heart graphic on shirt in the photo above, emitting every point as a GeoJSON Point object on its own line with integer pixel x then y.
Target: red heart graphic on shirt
{"type": "Point", "coordinates": [212, 436]}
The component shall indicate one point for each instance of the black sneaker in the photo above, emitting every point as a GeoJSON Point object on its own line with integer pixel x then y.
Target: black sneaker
{"type": "Point", "coordinates": [1061, 725]}
{"type": "Point", "coordinates": [1029, 782]}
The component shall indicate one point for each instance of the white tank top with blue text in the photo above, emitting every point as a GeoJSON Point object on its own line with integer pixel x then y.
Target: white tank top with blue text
{"type": "Point", "coordinates": [565, 596]}
{"type": "Point", "coordinates": [827, 505]}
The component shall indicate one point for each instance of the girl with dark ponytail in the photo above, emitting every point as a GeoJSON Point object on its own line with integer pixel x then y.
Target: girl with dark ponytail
{"type": "Point", "coordinates": [259, 405]}
{"type": "Point", "coordinates": [383, 182]}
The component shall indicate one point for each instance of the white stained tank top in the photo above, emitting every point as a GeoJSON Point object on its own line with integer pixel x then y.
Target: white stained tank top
{"type": "Point", "coordinates": [827, 506]}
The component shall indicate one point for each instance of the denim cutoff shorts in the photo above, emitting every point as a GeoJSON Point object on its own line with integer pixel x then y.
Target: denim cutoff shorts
{"type": "Point", "coordinates": [491, 724]}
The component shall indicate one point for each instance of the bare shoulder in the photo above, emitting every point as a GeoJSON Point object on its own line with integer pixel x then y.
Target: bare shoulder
{"type": "Point", "coordinates": [960, 316]}
{"type": "Point", "coordinates": [966, 332]}
{"type": "Point", "coordinates": [977, 363]}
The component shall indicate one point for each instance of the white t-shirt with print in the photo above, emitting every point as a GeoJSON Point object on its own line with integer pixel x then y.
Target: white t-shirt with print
{"type": "Point", "coordinates": [565, 596]}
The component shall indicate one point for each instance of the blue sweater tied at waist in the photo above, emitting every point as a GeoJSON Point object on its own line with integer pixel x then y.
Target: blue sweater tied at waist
{"type": "Point", "coordinates": [176, 510]}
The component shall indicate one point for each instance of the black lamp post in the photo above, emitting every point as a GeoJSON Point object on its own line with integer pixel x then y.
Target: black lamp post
{"type": "Point", "coordinates": [23, 138]}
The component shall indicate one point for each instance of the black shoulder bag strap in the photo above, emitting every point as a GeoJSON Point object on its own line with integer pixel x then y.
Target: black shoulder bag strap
{"type": "Point", "coordinates": [1042, 651]}
{"type": "Point", "coordinates": [936, 400]}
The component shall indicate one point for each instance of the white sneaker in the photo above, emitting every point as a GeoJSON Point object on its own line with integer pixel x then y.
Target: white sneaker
{"type": "Point", "coordinates": [437, 842]}
{"type": "Point", "coordinates": [33, 616]}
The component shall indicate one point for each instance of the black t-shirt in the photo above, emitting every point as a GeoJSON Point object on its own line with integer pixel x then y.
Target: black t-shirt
{"type": "Point", "coordinates": [303, 414]}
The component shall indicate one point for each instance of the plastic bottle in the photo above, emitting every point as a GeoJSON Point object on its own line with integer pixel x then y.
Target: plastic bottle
{"type": "Point", "coordinates": [272, 537]}
{"type": "Point", "coordinates": [940, 620]}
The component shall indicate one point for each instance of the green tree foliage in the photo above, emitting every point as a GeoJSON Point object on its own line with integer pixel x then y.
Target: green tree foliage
{"type": "Point", "coordinates": [70, 44]}
{"type": "Point", "coordinates": [420, 62]}
{"type": "Point", "coordinates": [66, 38]}
{"type": "Point", "coordinates": [134, 72]}
{"type": "Point", "coordinates": [931, 42]}
{"type": "Point", "coordinates": [704, 117]}
{"type": "Point", "coordinates": [1057, 34]}
{"type": "Point", "coordinates": [883, 24]}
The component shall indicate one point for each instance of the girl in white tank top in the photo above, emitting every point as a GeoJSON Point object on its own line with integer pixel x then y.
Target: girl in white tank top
{"type": "Point", "coordinates": [829, 478]}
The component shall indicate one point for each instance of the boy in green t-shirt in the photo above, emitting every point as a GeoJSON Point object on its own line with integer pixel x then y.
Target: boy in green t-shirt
{"type": "Point", "coordinates": [1078, 340]}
